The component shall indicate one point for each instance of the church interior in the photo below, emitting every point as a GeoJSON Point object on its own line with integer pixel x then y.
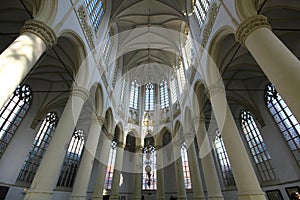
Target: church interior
{"type": "Point", "coordinates": [149, 99]}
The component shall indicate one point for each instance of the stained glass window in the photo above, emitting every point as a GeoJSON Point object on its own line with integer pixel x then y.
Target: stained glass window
{"type": "Point", "coordinates": [257, 147]}
{"type": "Point", "coordinates": [72, 160]}
{"type": "Point", "coordinates": [134, 95]}
{"type": "Point", "coordinates": [149, 168]}
{"type": "Point", "coordinates": [200, 10]}
{"type": "Point", "coordinates": [285, 120]}
{"type": "Point", "coordinates": [95, 9]}
{"type": "Point", "coordinates": [111, 165]}
{"type": "Point", "coordinates": [185, 167]}
{"type": "Point", "coordinates": [12, 113]}
{"type": "Point", "coordinates": [164, 95]}
{"type": "Point", "coordinates": [149, 97]}
{"type": "Point", "coordinates": [38, 148]}
{"type": "Point", "coordinates": [224, 162]}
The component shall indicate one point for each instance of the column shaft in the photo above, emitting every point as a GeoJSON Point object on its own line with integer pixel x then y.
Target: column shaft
{"type": "Point", "coordinates": [117, 173]}
{"type": "Point", "coordinates": [103, 162]}
{"type": "Point", "coordinates": [209, 169]}
{"type": "Point", "coordinates": [181, 192]}
{"type": "Point", "coordinates": [195, 173]}
{"type": "Point", "coordinates": [244, 175]}
{"type": "Point", "coordinates": [84, 172]}
{"type": "Point", "coordinates": [48, 172]}
{"type": "Point", "coordinates": [160, 193]}
{"type": "Point", "coordinates": [138, 175]}
{"type": "Point", "coordinates": [19, 58]}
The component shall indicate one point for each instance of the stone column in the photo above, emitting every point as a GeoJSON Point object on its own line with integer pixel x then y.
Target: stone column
{"type": "Point", "coordinates": [181, 192]}
{"type": "Point", "coordinates": [84, 172]}
{"type": "Point", "coordinates": [279, 64]}
{"type": "Point", "coordinates": [138, 173]}
{"type": "Point", "coordinates": [194, 168]}
{"type": "Point", "coordinates": [208, 165]}
{"type": "Point", "coordinates": [160, 193]}
{"type": "Point", "coordinates": [48, 172]}
{"type": "Point", "coordinates": [114, 195]}
{"type": "Point", "coordinates": [19, 58]}
{"type": "Point", "coordinates": [243, 172]}
{"type": "Point", "coordinates": [103, 162]}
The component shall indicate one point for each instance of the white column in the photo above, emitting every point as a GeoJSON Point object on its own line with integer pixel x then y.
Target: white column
{"type": "Point", "coordinates": [181, 192]}
{"type": "Point", "coordinates": [117, 172]}
{"type": "Point", "coordinates": [160, 193]}
{"type": "Point", "coordinates": [86, 164]}
{"type": "Point", "coordinates": [103, 162]}
{"type": "Point", "coordinates": [19, 58]}
{"type": "Point", "coordinates": [138, 173]}
{"type": "Point", "coordinates": [243, 172]}
{"type": "Point", "coordinates": [48, 172]}
{"type": "Point", "coordinates": [194, 169]}
{"type": "Point", "coordinates": [208, 165]}
{"type": "Point", "coordinates": [279, 64]}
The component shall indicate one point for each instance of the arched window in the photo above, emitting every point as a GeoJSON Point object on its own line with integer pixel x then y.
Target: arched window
{"type": "Point", "coordinates": [257, 147]}
{"type": "Point", "coordinates": [185, 166]}
{"type": "Point", "coordinates": [72, 160]}
{"type": "Point", "coordinates": [95, 9]}
{"type": "Point", "coordinates": [181, 76]}
{"type": "Point", "coordinates": [107, 48]}
{"type": "Point", "coordinates": [110, 166]}
{"type": "Point", "coordinates": [149, 165]}
{"type": "Point", "coordinates": [123, 87]}
{"type": "Point", "coordinates": [189, 51]}
{"type": "Point", "coordinates": [149, 96]}
{"type": "Point", "coordinates": [200, 10]}
{"type": "Point", "coordinates": [12, 113]}
{"type": "Point", "coordinates": [164, 96]}
{"type": "Point", "coordinates": [38, 148]}
{"type": "Point", "coordinates": [285, 120]}
{"type": "Point", "coordinates": [174, 90]}
{"type": "Point", "coordinates": [224, 162]}
{"type": "Point", "coordinates": [134, 95]}
{"type": "Point", "coordinates": [115, 75]}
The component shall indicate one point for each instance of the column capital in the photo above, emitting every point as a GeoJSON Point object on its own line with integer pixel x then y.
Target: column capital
{"type": "Point", "coordinates": [41, 30]}
{"type": "Point", "coordinates": [215, 89]}
{"type": "Point", "coordinates": [249, 25]}
{"type": "Point", "coordinates": [97, 120]}
{"type": "Point", "coordinates": [139, 149]}
{"type": "Point", "coordinates": [190, 136]}
{"type": "Point", "coordinates": [121, 145]}
{"type": "Point", "coordinates": [177, 143]}
{"type": "Point", "coordinates": [199, 118]}
{"type": "Point", "coordinates": [80, 92]}
{"type": "Point", "coordinates": [110, 136]}
{"type": "Point", "coordinates": [100, 120]}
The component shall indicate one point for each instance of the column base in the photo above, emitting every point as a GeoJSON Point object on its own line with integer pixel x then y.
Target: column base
{"type": "Point", "coordinates": [77, 197]}
{"type": "Point", "coordinates": [38, 195]}
{"type": "Point", "coordinates": [114, 197]}
{"type": "Point", "coordinates": [137, 197]}
{"type": "Point", "coordinates": [160, 198]}
{"type": "Point", "coordinates": [97, 197]}
{"type": "Point", "coordinates": [182, 197]}
{"type": "Point", "coordinates": [219, 197]}
{"type": "Point", "coordinates": [199, 198]}
{"type": "Point", "coordinates": [252, 196]}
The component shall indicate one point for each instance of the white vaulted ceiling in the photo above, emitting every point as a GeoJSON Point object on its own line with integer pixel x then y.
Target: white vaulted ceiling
{"type": "Point", "coordinates": [149, 32]}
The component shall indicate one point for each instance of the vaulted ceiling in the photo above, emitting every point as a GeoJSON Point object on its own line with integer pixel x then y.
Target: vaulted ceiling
{"type": "Point", "coordinates": [149, 32]}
